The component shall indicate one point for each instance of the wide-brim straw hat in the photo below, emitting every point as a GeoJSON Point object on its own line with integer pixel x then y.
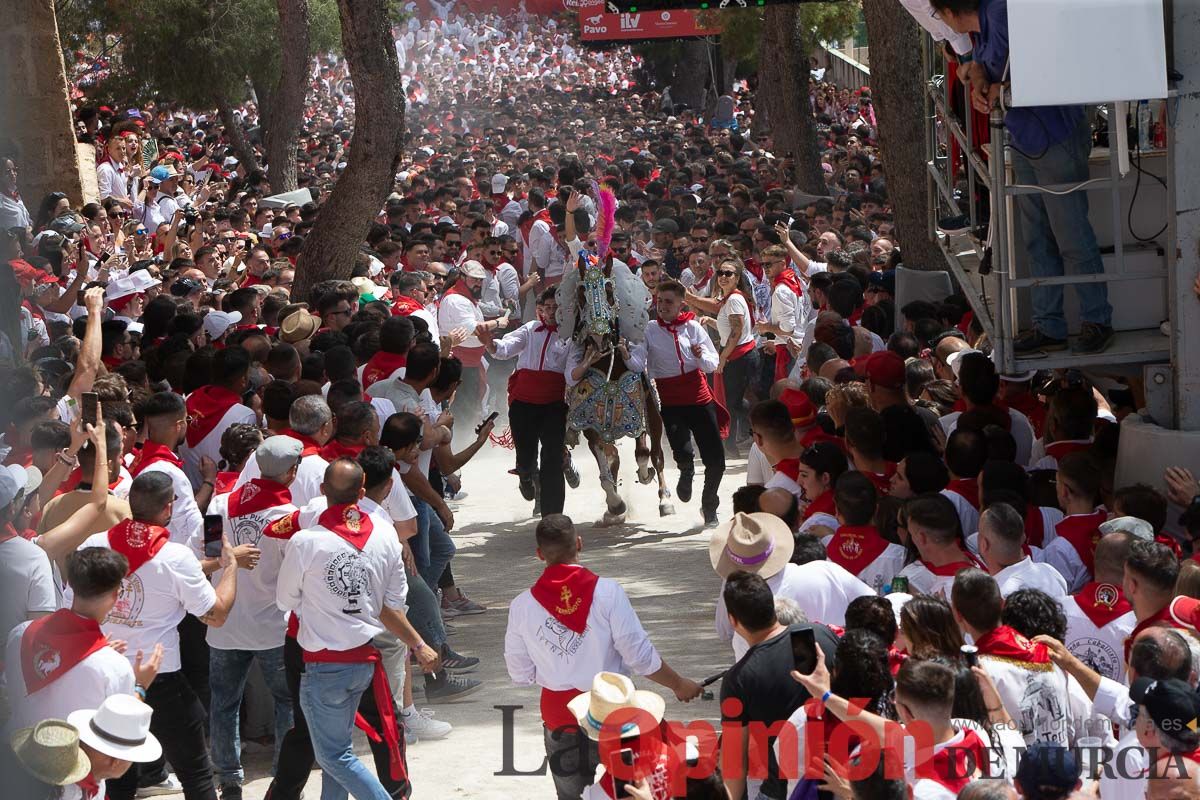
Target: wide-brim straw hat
{"type": "Point", "coordinates": [50, 752]}
{"type": "Point", "coordinates": [612, 692]}
{"type": "Point", "coordinates": [760, 543]}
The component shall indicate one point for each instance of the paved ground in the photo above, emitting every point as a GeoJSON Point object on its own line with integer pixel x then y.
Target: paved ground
{"type": "Point", "coordinates": [663, 565]}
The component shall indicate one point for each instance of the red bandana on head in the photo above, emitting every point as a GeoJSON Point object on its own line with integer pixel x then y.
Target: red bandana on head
{"type": "Point", "coordinates": [565, 591]}
{"type": "Point", "coordinates": [381, 366]}
{"type": "Point", "coordinates": [137, 541]}
{"type": "Point", "coordinates": [54, 644]}
{"type": "Point", "coordinates": [152, 453]}
{"type": "Point", "coordinates": [257, 494]}
{"type": "Point", "coordinates": [349, 522]}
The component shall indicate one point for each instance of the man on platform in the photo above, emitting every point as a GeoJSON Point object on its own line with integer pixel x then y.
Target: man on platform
{"type": "Point", "coordinates": [569, 626]}
{"type": "Point", "coordinates": [537, 411]}
{"type": "Point", "coordinates": [679, 353]}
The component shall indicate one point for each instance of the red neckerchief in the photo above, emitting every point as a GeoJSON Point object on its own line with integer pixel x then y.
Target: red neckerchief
{"type": "Point", "coordinates": [283, 528]}
{"type": "Point", "coordinates": [152, 453]}
{"type": "Point", "coordinates": [787, 278]}
{"type": "Point", "coordinates": [754, 268]}
{"type": "Point", "coordinates": [1004, 642]}
{"type": "Point", "coordinates": [967, 488]}
{"type": "Point", "coordinates": [527, 226]}
{"type": "Point", "coordinates": [951, 569]}
{"type": "Point", "coordinates": [33, 308]}
{"type": "Point", "coordinates": [9, 531]}
{"type": "Point", "coordinates": [225, 482]}
{"type": "Point", "coordinates": [821, 504]}
{"type": "Point", "coordinates": [856, 547]}
{"type": "Point", "coordinates": [565, 591]}
{"type": "Point", "coordinates": [335, 450]}
{"type": "Point", "coordinates": [489, 266]}
{"type": "Point", "coordinates": [382, 365]}
{"type": "Point", "coordinates": [310, 444]}
{"type": "Point", "coordinates": [1057, 450]}
{"type": "Point", "coordinates": [949, 766]}
{"type": "Point", "coordinates": [1102, 602]}
{"type": "Point", "coordinates": [89, 786]}
{"type": "Point", "coordinates": [137, 541]}
{"type": "Point", "coordinates": [882, 480]}
{"type": "Point", "coordinates": [681, 320]}
{"type": "Point", "coordinates": [348, 521]}
{"type": "Point", "coordinates": [1028, 404]}
{"type": "Point", "coordinates": [257, 494]}
{"type": "Point", "coordinates": [699, 285]}
{"type": "Point", "coordinates": [404, 306]}
{"type": "Point", "coordinates": [52, 645]}
{"type": "Point", "coordinates": [459, 288]}
{"type": "Point", "coordinates": [205, 408]}
{"type": "Point", "coordinates": [75, 481]}
{"type": "Point", "coordinates": [1161, 618]}
{"type": "Point", "coordinates": [1082, 531]}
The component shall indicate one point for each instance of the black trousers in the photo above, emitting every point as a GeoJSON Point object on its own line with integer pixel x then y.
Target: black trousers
{"type": "Point", "coordinates": [681, 424]}
{"type": "Point", "coordinates": [180, 723]}
{"type": "Point", "coordinates": [193, 655]}
{"type": "Point", "coordinates": [296, 758]}
{"type": "Point", "coordinates": [535, 424]}
{"type": "Point", "coordinates": [739, 375]}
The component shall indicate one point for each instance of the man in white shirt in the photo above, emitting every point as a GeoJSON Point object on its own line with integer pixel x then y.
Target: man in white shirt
{"type": "Point", "coordinates": [113, 176]}
{"type": "Point", "coordinates": [310, 421]}
{"type": "Point", "coordinates": [934, 530]}
{"type": "Point", "coordinates": [570, 625]}
{"type": "Point", "coordinates": [460, 309]}
{"type": "Point", "coordinates": [345, 581]}
{"type": "Point", "coordinates": [13, 213]}
{"type": "Point", "coordinates": [786, 322]}
{"type": "Point", "coordinates": [679, 352]}
{"type": "Point", "coordinates": [1001, 543]}
{"type": "Point", "coordinates": [215, 406]}
{"type": "Point", "coordinates": [1099, 616]}
{"type": "Point", "coordinates": [165, 582]}
{"type": "Point", "coordinates": [857, 544]}
{"type": "Point", "coordinates": [500, 300]}
{"type": "Point", "coordinates": [255, 627]}
{"type": "Point", "coordinates": [26, 577]}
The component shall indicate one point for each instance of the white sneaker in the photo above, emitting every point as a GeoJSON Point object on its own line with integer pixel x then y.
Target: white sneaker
{"type": "Point", "coordinates": [422, 725]}
{"type": "Point", "coordinates": [170, 786]}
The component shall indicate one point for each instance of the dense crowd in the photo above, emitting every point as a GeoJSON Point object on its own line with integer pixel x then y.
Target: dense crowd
{"type": "Point", "coordinates": [203, 471]}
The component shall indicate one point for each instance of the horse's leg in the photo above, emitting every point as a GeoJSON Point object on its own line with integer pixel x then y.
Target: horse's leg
{"type": "Point", "coordinates": [654, 425]}
{"type": "Point", "coordinates": [616, 506]}
{"type": "Point", "coordinates": [641, 453]}
{"type": "Point", "coordinates": [616, 509]}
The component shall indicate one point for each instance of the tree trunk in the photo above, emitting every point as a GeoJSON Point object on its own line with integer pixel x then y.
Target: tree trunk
{"type": "Point", "coordinates": [375, 147]}
{"type": "Point", "coordinates": [237, 137]}
{"type": "Point", "coordinates": [691, 74]}
{"type": "Point", "coordinates": [896, 86]}
{"type": "Point", "coordinates": [287, 100]}
{"type": "Point", "coordinates": [783, 83]}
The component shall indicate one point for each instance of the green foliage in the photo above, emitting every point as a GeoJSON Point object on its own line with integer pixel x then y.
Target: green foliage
{"type": "Point", "coordinates": [190, 51]}
{"type": "Point", "coordinates": [741, 28]}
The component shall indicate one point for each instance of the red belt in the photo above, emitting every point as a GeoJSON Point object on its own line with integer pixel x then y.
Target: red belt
{"type": "Point", "coordinates": [555, 713]}
{"type": "Point", "coordinates": [782, 357]}
{"type": "Point", "coordinates": [367, 654]}
{"type": "Point", "coordinates": [740, 351]}
{"type": "Point", "coordinates": [688, 389]}
{"type": "Point", "coordinates": [537, 386]}
{"type": "Point", "coordinates": [469, 356]}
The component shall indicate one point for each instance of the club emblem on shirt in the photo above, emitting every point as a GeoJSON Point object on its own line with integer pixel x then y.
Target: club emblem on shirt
{"type": "Point", "coordinates": [570, 603]}
{"type": "Point", "coordinates": [353, 519]}
{"type": "Point", "coordinates": [346, 576]}
{"type": "Point", "coordinates": [1107, 595]}
{"type": "Point", "coordinates": [1099, 655]}
{"type": "Point", "coordinates": [248, 528]}
{"type": "Point", "coordinates": [128, 609]}
{"type": "Point", "coordinates": [136, 534]}
{"type": "Point", "coordinates": [248, 492]}
{"type": "Point", "coordinates": [46, 661]}
{"type": "Point", "coordinates": [850, 547]}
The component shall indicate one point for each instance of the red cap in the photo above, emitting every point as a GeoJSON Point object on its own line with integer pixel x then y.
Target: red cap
{"type": "Point", "coordinates": [1186, 611]}
{"type": "Point", "coordinates": [28, 275]}
{"type": "Point", "coordinates": [885, 369]}
{"type": "Point", "coordinates": [799, 407]}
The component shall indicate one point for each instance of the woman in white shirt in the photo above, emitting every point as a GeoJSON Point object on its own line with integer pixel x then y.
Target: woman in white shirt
{"type": "Point", "coordinates": [739, 359]}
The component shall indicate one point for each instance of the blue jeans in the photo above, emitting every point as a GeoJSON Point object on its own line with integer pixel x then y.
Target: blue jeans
{"type": "Point", "coordinates": [432, 546]}
{"type": "Point", "coordinates": [423, 611]}
{"type": "Point", "coordinates": [228, 670]}
{"type": "Point", "coordinates": [329, 697]}
{"type": "Point", "coordinates": [1057, 234]}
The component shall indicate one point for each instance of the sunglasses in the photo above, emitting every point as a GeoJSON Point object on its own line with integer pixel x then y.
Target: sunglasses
{"type": "Point", "coordinates": [140, 232]}
{"type": "Point", "coordinates": [726, 273]}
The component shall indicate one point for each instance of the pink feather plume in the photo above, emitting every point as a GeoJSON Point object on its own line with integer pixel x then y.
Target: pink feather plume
{"type": "Point", "coordinates": [606, 220]}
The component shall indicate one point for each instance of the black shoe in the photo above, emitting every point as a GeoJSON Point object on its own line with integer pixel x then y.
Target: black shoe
{"type": "Point", "coordinates": [1033, 340]}
{"type": "Point", "coordinates": [456, 662]}
{"type": "Point", "coordinates": [572, 473]}
{"type": "Point", "coordinates": [447, 687]}
{"type": "Point", "coordinates": [1093, 338]}
{"type": "Point", "coordinates": [710, 518]}
{"type": "Point", "coordinates": [525, 482]}
{"type": "Point", "coordinates": [683, 489]}
{"type": "Point", "coordinates": [231, 792]}
{"type": "Point", "coordinates": [955, 226]}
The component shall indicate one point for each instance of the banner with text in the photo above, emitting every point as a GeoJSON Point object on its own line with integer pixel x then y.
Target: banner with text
{"type": "Point", "coordinates": [596, 25]}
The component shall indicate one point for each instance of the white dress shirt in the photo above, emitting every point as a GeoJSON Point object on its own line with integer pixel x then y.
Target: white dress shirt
{"type": "Point", "coordinates": [1027, 574]}
{"type": "Point", "coordinates": [669, 353]}
{"type": "Point", "coordinates": [501, 291]}
{"type": "Point", "coordinates": [1021, 430]}
{"type": "Point", "coordinates": [456, 311]}
{"type": "Point", "coordinates": [534, 349]}
{"type": "Point", "coordinates": [111, 181]}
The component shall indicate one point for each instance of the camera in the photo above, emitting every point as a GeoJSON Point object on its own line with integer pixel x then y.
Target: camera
{"type": "Point", "coordinates": [190, 216]}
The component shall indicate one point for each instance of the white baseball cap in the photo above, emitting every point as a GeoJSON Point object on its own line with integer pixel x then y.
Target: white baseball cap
{"type": "Point", "coordinates": [216, 323]}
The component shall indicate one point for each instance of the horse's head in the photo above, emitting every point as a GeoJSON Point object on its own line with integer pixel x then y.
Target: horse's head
{"type": "Point", "coordinates": [598, 309]}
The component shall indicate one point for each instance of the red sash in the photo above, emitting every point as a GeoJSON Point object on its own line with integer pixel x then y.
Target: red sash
{"type": "Point", "coordinates": [381, 366]}
{"type": "Point", "coordinates": [311, 447]}
{"type": "Point", "coordinates": [538, 386]}
{"type": "Point", "coordinates": [349, 522]}
{"type": "Point", "coordinates": [566, 591]}
{"type": "Point", "coordinates": [471, 357]}
{"type": "Point", "coordinates": [367, 654]}
{"type": "Point", "coordinates": [967, 488]}
{"type": "Point", "coordinates": [856, 547]}
{"type": "Point", "coordinates": [739, 351]}
{"type": "Point", "coordinates": [52, 645]}
{"type": "Point", "coordinates": [152, 453]}
{"type": "Point", "coordinates": [205, 408]}
{"type": "Point", "coordinates": [256, 495]}
{"type": "Point", "coordinates": [335, 450]}
{"type": "Point", "coordinates": [555, 713]}
{"type": "Point", "coordinates": [948, 766]}
{"type": "Point", "coordinates": [1083, 533]}
{"type": "Point", "coordinates": [137, 541]}
{"type": "Point", "coordinates": [1102, 602]}
{"type": "Point", "coordinates": [688, 389]}
{"type": "Point", "coordinates": [821, 504]}
{"type": "Point", "coordinates": [405, 306]}
{"type": "Point", "coordinates": [1004, 642]}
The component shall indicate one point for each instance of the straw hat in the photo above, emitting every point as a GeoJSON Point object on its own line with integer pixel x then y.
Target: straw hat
{"type": "Point", "coordinates": [120, 728]}
{"type": "Point", "coordinates": [759, 543]}
{"type": "Point", "coordinates": [298, 326]}
{"type": "Point", "coordinates": [50, 752]}
{"type": "Point", "coordinates": [611, 692]}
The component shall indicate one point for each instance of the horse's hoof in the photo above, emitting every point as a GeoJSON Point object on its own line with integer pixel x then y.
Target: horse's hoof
{"type": "Point", "coordinates": [610, 519]}
{"type": "Point", "coordinates": [617, 508]}
{"type": "Point", "coordinates": [647, 476]}
{"type": "Point", "coordinates": [665, 509]}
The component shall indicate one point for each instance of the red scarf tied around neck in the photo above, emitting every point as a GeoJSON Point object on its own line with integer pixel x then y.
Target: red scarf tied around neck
{"type": "Point", "coordinates": [53, 645]}
{"type": "Point", "coordinates": [566, 591]}
{"type": "Point", "coordinates": [137, 541]}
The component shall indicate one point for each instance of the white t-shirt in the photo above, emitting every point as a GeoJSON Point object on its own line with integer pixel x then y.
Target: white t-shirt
{"type": "Point", "coordinates": [99, 675]}
{"type": "Point", "coordinates": [307, 484]}
{"type": "Point", "coordinates": [210, 445]}
{"type": "Point", "coordinates": [254, 622]}
{"type": "Point", "coordinates": [734, 306]}
{"type": "Point", "coordinates": [154, 599]}
{"type": "Point", "coordinates": [1028, 574]}
{"type": "Point", "coordinates": [26, 582]}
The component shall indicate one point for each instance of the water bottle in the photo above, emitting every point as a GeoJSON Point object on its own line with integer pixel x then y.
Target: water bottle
{"type": "Point", "coordinates": [1143, 125]}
